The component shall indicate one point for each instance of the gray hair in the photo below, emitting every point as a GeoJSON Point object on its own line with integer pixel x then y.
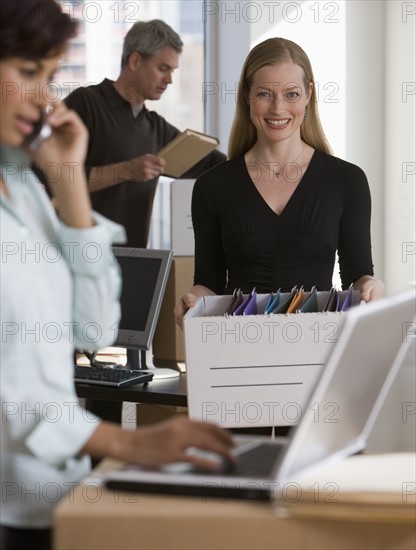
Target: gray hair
{"type": "Point", "coordinates": [147, 37]}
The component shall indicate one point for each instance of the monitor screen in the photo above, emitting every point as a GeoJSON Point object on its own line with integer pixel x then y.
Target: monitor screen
{"type": "Point", "coordinates": [145, 273]}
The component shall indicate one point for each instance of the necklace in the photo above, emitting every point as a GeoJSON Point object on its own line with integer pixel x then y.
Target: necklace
{"type": "Point", "coordinates": [278, 173]}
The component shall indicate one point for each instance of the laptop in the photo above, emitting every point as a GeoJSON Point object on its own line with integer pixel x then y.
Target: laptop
{"type": "Point", "coordinates": [335, 424]}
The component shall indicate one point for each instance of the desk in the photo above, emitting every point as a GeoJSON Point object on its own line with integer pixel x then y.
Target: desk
{"type": "Point", "coordinates": [94, 518]}
{"type": "Point", "coordinates": [107, 402]}
{"type": "Point", "coordinates": [158, 392]}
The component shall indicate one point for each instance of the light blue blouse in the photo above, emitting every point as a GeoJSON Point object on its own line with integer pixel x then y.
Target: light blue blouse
{"type": "Point", "coordinates": [59, 290]}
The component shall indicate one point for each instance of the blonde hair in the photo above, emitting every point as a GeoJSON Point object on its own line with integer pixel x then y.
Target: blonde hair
{"type": "Point", "coordinates": [271, 52]}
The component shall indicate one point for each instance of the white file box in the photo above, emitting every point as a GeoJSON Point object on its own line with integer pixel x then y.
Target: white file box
{"type": "Point", "coordinates": [256, 370]}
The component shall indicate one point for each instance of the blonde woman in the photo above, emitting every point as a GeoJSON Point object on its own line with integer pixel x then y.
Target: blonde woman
{"type": "Point", "coordinates": [279, 210]}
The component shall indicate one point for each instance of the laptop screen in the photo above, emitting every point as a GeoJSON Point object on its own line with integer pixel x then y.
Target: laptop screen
{"type": "Point", "coordinates": [354, 384]}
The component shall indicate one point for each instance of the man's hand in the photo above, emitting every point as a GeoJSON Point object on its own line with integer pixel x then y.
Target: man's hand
{"type": "Point", "coordinates": [143, 168]}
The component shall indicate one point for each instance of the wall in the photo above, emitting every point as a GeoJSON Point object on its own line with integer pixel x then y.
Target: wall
{"type": "Point", "coordinates": [376, 112]}
{"type": "Point", "coordinates": [365, 67]}
{"type": "Point", "coordinates": [399, 146]}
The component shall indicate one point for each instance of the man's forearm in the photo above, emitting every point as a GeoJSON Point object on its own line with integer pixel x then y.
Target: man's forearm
{"type": "Point", "coordinates": [102, 177]}
{"type": "Point", "coordinates": [144, 168]}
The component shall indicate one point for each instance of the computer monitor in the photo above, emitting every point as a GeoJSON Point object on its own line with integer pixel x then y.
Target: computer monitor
{"type": "Point", "coordinates": [145, 274]}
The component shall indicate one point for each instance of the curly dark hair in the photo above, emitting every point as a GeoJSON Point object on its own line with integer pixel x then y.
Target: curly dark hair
{"type": "Point", "coordinates": [33, 29]}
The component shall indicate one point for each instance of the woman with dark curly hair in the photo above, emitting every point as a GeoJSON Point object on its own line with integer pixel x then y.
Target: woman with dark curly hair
{"type": "Point", "coordinates": [51, 294]}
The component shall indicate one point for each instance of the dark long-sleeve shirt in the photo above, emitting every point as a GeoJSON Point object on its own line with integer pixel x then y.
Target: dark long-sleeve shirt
{"type": "Point", "coordinates": [117, 136]}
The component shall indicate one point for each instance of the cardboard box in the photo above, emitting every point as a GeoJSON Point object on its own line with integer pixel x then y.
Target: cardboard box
{"type": "Point", "coordinates": [168, 342]}
{"type": "Point", "coordinates": [147, 413]}
{"type": "Point", "coordinates": [182, 231]}
{"type": "Point", "coordinates": [255, 370]}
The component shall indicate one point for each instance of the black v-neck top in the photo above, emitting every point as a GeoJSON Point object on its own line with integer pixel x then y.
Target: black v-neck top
{"type": "Point", "coordinates": [240, 242]}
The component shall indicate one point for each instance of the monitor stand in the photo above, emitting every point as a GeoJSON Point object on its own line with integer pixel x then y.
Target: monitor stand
{"type": "Point", "coordinates": [136, 360]}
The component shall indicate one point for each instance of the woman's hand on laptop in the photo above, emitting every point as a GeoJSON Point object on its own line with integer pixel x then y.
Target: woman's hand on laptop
{"type": "Point", "coordinates": [169, 441]}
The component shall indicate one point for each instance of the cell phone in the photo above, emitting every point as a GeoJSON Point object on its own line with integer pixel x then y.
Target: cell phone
{"type": "Point", "coordinates": [41, 131]}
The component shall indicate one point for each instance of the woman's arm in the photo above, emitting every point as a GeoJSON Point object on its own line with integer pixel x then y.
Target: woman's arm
{"type": "Point", "coordinates": [159, 444]}
{"type": "Point", "coordinates": [85, 237]}
{"type": "Point", "coordinates": [354, 245]}
{"type": "Point", "coordinates": [66, 149]}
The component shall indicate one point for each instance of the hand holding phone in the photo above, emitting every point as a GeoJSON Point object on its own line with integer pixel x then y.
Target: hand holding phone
{"type": "Point", "coordinates": [40, 132]}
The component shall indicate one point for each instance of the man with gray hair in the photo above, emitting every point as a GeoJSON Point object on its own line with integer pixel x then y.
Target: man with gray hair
{"type": "Point", "coordinates": [124, 137]}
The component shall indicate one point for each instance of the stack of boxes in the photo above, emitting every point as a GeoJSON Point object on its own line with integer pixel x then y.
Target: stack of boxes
{"type": "Point", "coordinates": [168, 341]}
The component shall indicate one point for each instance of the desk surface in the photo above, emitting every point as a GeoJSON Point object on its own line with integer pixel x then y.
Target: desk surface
{"type": "Point", "coordinates": [158, 392]}
{"type": "Point", "coordinates": [94, 518]}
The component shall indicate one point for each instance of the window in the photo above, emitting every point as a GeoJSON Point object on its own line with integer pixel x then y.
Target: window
{"type": "Point", "coordinates": [95, 53]}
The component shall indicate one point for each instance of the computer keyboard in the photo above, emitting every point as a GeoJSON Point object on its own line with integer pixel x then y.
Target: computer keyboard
{"type": "Point", "coordinates": [255, 462]}
{"type": "Point", "coordinates": [110, 377]}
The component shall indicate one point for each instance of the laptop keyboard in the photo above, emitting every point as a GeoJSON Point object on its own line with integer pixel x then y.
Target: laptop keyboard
{"type": "Point", "coordinates": [110, 377]}
{"type": "Point", "coordinates": [255, 462]}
